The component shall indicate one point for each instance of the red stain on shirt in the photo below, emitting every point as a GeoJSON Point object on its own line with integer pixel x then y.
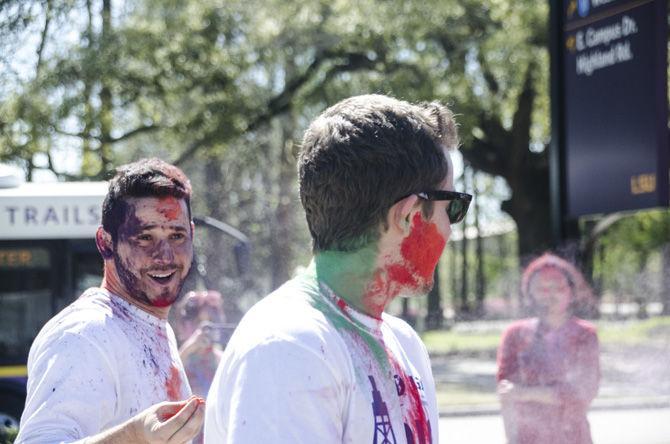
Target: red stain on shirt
{"type": "Point", "coordinates": [169, 207]}
{"type": "Point", "coordinates": [173, 384]}
{"type": "Point", "coordinates": [414, 414]}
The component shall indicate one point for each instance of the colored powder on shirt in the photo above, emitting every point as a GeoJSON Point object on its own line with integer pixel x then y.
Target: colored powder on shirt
{"type": "Point", "coordinates": [170, 413]}
{"type": "Point", "coordinates": [415, 415]}
{"type": "Point", "coordinates": [342, 321]}
{"type": "Point", "coordinates": [173, 384]}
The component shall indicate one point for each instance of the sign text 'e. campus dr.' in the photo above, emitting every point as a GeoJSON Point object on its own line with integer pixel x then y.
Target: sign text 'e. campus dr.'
{"type": "Point", "coordinates": [615, 105]}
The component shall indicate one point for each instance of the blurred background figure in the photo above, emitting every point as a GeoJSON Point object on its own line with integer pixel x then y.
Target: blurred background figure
{"type": "Point", "coordinates": [548, 365]}
{"type": "Point", "coordinates": [199, 323]}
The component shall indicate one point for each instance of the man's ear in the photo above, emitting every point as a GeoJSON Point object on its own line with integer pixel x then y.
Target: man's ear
{"type": "Point", "coordinates": [103, 240]}
{"type": "Point", "coordinates": [192, 230]}
{"type": "Point", "coordinates": [400, 215]}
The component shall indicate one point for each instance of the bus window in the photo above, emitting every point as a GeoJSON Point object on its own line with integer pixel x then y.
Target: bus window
{"type": "Point", "coordinates": [87, 271]}
{"type": "Point", "coordinates": [25, 300]}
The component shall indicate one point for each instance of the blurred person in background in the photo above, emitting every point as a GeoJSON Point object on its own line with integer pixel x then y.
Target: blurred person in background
{"type": "Point", "coordinates": [106, 369]}
{"type": "Point", "coordinates": [549, 366]}
{"type": "Point", "coordinates": [199, 325]}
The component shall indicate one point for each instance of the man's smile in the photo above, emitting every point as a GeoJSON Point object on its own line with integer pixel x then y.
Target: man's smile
{"type": "Point", "coordinates": [162, 276]}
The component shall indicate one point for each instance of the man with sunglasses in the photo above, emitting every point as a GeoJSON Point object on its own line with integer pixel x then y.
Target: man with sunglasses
{"type": "Point", "coordinates": [319, 360]}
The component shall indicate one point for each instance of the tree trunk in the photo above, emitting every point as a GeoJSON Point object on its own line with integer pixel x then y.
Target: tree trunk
{"type": "Point", "coordinates": [505, 151]}
{"type": "Point", "coordinates": [282, 229]}
{"type": "Point", "coordinates": [434, 314]}
{"type": "Point", "coordinates": [453, 276]}
{"type": "Point", "coordinates": [665, 277]}
{"type": "Point", "coordinates": [465, 306]}
{"type": "Point", "coordinates": [480, 284]}
{"type": "Point", "coordinates": [105, 94]}
{"type": "Point", "coordinates": [90, 165]}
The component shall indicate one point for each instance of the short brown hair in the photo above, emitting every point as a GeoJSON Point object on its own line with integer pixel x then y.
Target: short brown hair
{"type": "Point", "coordinates": [363, 154]}
{"type": "Point", "coordinates": [144, 178]}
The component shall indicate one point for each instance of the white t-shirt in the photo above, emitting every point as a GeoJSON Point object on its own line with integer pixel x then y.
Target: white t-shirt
{"type": "Point", "coordinates": [304, 367]}
{"type": "Point", "coordinates": [94, 365]}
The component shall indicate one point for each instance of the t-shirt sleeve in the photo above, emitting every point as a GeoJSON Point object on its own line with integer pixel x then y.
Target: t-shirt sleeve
{"type": "Point", "coordinates": [279, 391]}
{"type": "Point", "coordinates": [507, 356]}
{"type": "Point", "coordinates": [71, 391]}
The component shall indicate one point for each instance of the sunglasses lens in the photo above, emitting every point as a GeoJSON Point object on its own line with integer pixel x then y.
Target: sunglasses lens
{"type": "Point", "coordinates": [456, 210]}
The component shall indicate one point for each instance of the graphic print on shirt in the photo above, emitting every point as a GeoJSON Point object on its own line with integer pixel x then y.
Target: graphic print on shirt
{"type": "Point", "coordinates": [383, 427]}
{"type": "Point", "coordinates": [395, 390]}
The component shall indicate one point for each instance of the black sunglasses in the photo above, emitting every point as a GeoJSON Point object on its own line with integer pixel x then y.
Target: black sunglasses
{"type": "Point", "coordinates": [457, 208]}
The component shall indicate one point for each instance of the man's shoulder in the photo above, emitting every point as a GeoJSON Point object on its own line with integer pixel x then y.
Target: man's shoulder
{"type": "Point", "coordinates": [400, 327]}
{"type": "Point", "coordinates": [87, 316]}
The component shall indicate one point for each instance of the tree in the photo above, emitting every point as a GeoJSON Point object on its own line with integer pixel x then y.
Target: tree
{"type": "Point", "coordinates": [203, 83]}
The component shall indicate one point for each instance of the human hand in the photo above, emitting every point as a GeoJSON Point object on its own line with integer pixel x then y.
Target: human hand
{"type": "Point", "coordinates": [170, 422]}
{"type": "Point", "coordinates": [505, 389]}
{"type": "Point", "coordinates": [198, 341]}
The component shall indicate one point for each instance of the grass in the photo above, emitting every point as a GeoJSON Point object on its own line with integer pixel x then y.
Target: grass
{"type": "Point", "coordinates": [648, 332]}
{"type": "Point", "coordinates": [450, 397]}
{"type": "Point", "coordinates": [653, 331]}
{"type": "Point", "coordinates": [482, 339]}
{"type": "Point", "coordinates": [451, 342]}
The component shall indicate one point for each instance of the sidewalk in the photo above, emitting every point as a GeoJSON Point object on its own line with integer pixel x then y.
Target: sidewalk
{"type": "Point", "coordinates": [632, 377]}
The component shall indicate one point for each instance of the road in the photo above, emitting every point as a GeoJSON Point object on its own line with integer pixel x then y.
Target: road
{"type": "Point", "coordinates": [643, 426]}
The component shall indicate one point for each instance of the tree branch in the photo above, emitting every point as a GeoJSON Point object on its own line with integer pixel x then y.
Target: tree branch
{"type": "Point", "coordinates": [45, 32]}
{"type": "Point", "coordinates": [522, 118]}
{"type": "Point", "coordinates": [81, 135]}
{"type": "Point", "coordinates": [128, 135]}
{"type": "Point", "coordinates": [131, 133]}
{"type": "Point", "coordinates": [282, 102]}
{"type": "Point", "coordinates": [486, 156]}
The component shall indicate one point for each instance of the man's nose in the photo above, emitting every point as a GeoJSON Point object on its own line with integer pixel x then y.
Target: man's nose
{"type": "Point", "coordinates": [163, 252]}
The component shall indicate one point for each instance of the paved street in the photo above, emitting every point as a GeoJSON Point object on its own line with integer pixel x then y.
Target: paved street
{"type": "Point", "coordinates": [643, 426]}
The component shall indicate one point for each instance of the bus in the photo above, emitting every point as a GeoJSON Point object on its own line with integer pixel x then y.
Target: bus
{"type": "Point", "coordinates": [48, 257]}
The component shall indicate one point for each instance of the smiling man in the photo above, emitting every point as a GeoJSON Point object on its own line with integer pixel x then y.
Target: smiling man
{"type": "Point", "coordinates": [106, 369]}
{"type": "Point", "coordinates": [318, 360]}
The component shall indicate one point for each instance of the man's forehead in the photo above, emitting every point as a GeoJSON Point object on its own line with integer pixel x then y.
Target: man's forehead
{"type": "Point", "coordinates": [169, 208]}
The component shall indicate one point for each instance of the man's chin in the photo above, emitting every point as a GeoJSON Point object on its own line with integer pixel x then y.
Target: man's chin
{"type": "Point", "coordinates": [162, 299]}
{"type": "Point", "coordinates": [418, 291]}
{"type": "Point", "coordinates": [163, 302]}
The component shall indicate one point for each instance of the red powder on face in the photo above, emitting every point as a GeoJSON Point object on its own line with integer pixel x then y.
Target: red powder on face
{"type": "Point", "coordinates": [162, 302]}
{"type": "Point", "coordinates": [420, 252]}
{"type": "Point", "coordinates": [423, 247]}
{"type": "Point", "coordinates": [341, 304]}
{"type": "Point", "coordinates": [401, 275]}
{"type": "Point", "coordinates": [169, 207]}
{"type": "Point", "coordinates": [173, 384]}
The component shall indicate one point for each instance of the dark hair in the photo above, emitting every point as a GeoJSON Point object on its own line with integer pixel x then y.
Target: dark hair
{"type": "Point", "coordinates": [144, 178]}
{"type": "Point", "coordinates": [363, 154]}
